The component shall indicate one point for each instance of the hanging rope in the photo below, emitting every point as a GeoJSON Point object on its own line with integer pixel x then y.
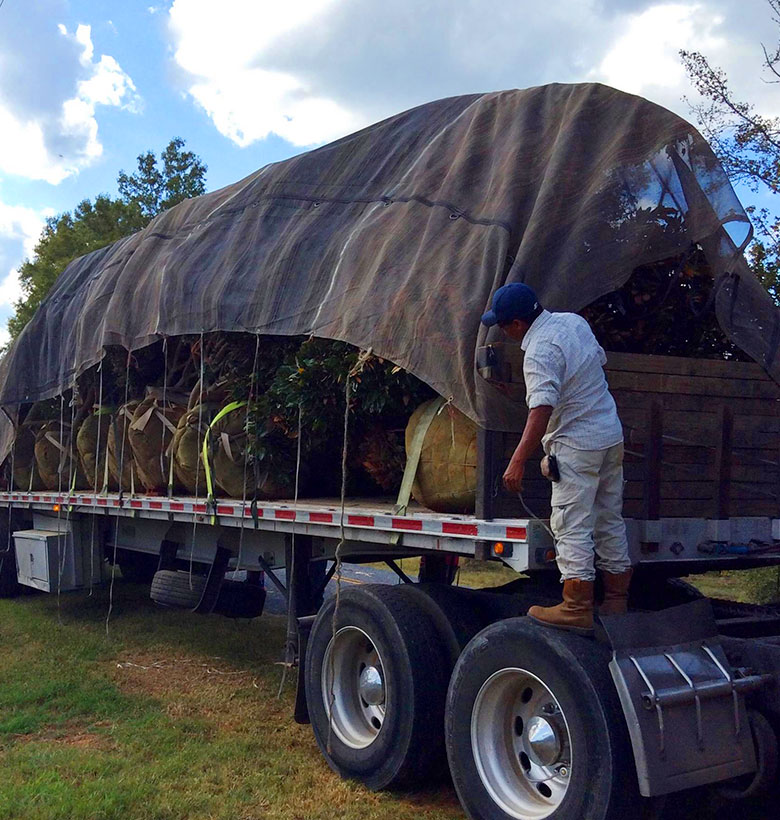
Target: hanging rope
{"type": "Point", "coordinates": [97, 471]}
{"type": "Point", "coordinates": [292, 630]}
{"type": "Point", "coordinates": [364, 356]}
{"type": "Point", "coordinates": [121, 476]}
{"type": "Point", "coordinates": [164, 407]}
{"type": "Point", "coordinates": [59, 510]}
{"type": "Point", "coordinates": [197, 470]}
{"type": "Point", "coordinates": [246, 447]}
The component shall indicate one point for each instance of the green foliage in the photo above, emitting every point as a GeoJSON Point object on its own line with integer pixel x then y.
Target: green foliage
{"type": "Point", "coordinates": [663, 309]}
{"type": "Point", "coordinates": [748, 145]}
{"type": "Point", "coordinates": [92, 225]}
{"type": "Point", "coordinates": [155, 187]}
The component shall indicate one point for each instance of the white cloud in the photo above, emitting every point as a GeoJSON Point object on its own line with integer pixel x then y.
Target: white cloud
{"type": "Point", "coordinates": [312, 70]}
{"type": "Point", "coordinates": [53, 137]}
{"type": "Point", "coordinates": [645, 56]}
{"type": "Point", "coordinates": [20, 228]}
{"type": "Point", "coordinates": [218, 47]}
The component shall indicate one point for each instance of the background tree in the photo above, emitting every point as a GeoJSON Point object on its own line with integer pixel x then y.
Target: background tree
{"type": "Point", "coordinates": [747, 144]}
{"type": "Point", "coordinates": [91, 225]}
{"type": "Point", "coordinates": [155, 188]}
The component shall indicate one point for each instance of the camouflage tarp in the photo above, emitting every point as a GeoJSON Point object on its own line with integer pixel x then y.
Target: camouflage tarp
{"type": "Point", "coordinates": [395, 237]}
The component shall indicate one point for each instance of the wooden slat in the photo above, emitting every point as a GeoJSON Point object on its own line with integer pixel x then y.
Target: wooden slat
{"type": "Point", "coordinates": [766, 476]}
{"type": "Point", "coordinates": [692, 385]}
{"type": "Point", "coordinates": [651, 491]}
{"type": "Point", "coordinates": [719, 368]}
{"type": "Point", "coordinates": [629, 399]}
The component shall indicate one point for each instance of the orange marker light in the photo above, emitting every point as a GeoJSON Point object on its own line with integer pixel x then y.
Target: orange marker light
{"type": "Point", "coordinates": [498, 548]}
{"type": "Point", "coordinates": [56, 508]}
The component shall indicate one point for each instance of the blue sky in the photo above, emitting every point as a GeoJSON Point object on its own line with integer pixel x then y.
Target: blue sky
{"type": "Point", "coordinates": [85, 86]}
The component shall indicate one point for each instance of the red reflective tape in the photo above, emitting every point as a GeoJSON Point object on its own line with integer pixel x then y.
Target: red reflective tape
{"type": "Point", "coordinates": [87, 500]}
{"type": "Point", "coordinates": [102, 502]}
{"type": "Point", "coordinates": [116, 503]}
{"type": "Point", "coordinates": [224, 509]}
{"type": "Point", "coordinates": [459, 529]}
{"type": "Point", "coordinates": [136, 504]}
{"type": "Point", "coordinates": [361, 520]}
{"type": "Point", "coordinates": [155, 505]}
{"type": "Point", "coordinates": [36, 498]}
{"type": "Point", "coordinates": [321, 518]}
{"type": "Point", "coordinates": [285, 515]}
{"type": "Point", "coordinates": [407, 524]}
{"type": "Point", "coordinates": [177, 506]}
{"type": "Point", "coordinates": [248, 512]}
{"type": "Point", "coordinates": [520, 533]}
{"type": "Point", "coordinates": [199, 508]}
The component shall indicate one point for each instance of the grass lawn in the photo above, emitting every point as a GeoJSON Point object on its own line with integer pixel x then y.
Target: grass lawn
{"type": "Point", "coordinates": [176, 715]}
{"type": "Point", "coordinates": [173, 716]}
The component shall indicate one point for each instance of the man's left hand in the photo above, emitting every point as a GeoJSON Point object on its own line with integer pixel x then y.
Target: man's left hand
{"type": "Point", "coordinates": [513, 477]}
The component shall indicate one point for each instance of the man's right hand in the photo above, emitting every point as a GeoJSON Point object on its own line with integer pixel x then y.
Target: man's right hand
{"type": "Point", "coordinates": [513, 477]}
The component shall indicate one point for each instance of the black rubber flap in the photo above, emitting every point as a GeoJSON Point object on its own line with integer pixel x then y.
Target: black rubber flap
{"type": "Point", "coordinates": [676, 625]}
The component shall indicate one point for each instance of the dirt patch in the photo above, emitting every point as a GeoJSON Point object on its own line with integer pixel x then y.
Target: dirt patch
{"type": "Point", "coordinates": [73, 735]}
{"type": "Point", "coordinates": [203, 687]}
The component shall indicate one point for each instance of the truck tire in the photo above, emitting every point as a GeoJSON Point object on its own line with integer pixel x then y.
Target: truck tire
{"type": "Point", "coordinates": [751, 789]}
{"type": "Point", "coordinates": [177, 588]}
{"type": "Point", "coordinates": [239, 599]}
{"type": "Point", "coordinates": [137, 567]}
{"type": "Point", "coordinates": [653, 593]}
{"type": "Point", "coordinates": [534, 728]}
{"type": "Point", "coordinates": [375, 662]}
{"type": "Point", "coordinates": [9, 586]}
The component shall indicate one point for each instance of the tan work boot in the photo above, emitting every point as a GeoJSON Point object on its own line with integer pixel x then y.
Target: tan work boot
{"type": "Point", "coordinates": [575, 614]}
{"type": "Point", "coordinates": [615, 592]}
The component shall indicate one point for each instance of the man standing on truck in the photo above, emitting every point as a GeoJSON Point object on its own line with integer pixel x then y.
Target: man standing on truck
{"type": "Point", "coordinates": [573, 415]}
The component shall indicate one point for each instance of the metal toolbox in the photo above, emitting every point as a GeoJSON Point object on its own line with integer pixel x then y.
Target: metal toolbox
{"type": "Point", "coordinates": [52, 561]}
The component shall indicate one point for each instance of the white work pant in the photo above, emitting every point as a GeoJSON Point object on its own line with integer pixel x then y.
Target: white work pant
{"type": "Point", "coordinates": [587, 512]}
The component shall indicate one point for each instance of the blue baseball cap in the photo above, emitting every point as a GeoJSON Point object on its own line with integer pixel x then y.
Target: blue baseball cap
{"type": "Point", "coordinates": [512, 301]}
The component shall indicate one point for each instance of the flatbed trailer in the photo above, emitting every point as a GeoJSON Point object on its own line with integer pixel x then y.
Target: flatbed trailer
{"type": "Point", "coordinates": [395, 679]}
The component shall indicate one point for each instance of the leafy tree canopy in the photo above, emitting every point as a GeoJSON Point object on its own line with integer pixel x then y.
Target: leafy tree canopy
{"type": "Point", "coordinates": [748, 145]}
{"type": "Point", "coordinates": [153, 188]}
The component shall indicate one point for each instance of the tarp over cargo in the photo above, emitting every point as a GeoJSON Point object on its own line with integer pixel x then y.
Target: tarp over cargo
{"type": "Point", "coordinates": [395, 237]}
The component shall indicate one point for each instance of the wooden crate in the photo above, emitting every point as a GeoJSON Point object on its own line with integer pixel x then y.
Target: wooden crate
{"type": "Point", "coordinates": [702, 440]}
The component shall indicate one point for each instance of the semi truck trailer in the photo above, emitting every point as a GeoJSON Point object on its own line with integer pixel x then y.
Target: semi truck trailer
{"type": "Point", "coordinates": [393, 239]}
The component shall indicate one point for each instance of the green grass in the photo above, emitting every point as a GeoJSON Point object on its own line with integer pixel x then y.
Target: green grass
{"type": "Point", "coordinates": [173, 716]}
{"type": "Point", "coordinates": [755, 586]}
{"type": "Point", "coordinates": [176, 716]}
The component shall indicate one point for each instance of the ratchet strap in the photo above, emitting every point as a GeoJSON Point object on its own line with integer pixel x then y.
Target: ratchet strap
{"type": "Point", "coordinates": [413, 459]}
{"type": "Point", "coordinates": [228, 408]}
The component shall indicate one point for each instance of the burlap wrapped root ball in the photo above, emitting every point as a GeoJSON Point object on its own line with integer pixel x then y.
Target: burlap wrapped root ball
{"type": "Point", "coordinates": [233, 473]}
{"type": "Point", "coordinates": [56, 459]}
{"type": "Point", "coordinates": [446, 478]}
{"type": "Point", "coordinates": [151, 435]}
{"type": "Point", "coordinates": [118, 448]}
{"type": "Point", "coordinates": [25, 472]}
{"type": "Point", "coordinates": [188, 445]}
{"type": "Point", "coordinates": [92, 446]}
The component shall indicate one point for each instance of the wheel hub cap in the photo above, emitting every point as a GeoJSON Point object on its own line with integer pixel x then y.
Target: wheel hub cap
{"type": "Point", "coordinates": [521, 744]}
{"type": "Point", "coordinates": [544, 747]}
{"type": "Point", "coordinates": [353, 687]}
{"type": "Point", "coordinates": [371, 687]}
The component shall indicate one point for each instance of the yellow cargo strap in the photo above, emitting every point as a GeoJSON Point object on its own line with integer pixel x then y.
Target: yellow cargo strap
{"type": "Point", "coordinates": [413, 459]}
{"type": "Point", "coordinates": [228, 408]}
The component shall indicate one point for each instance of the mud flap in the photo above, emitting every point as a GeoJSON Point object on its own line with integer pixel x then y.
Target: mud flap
{"type": "Point", "coordinates": [683, 704]}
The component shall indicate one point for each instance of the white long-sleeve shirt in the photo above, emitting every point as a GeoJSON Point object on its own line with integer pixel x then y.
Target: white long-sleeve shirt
{"type": "Point", "coordinates": [564, 369]}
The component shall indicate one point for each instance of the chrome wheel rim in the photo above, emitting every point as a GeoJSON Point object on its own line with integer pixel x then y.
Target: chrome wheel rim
{"type": "Point", "coordinates": [521, 744]}
{"type": "Point", "coordinates": [353, 687]}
